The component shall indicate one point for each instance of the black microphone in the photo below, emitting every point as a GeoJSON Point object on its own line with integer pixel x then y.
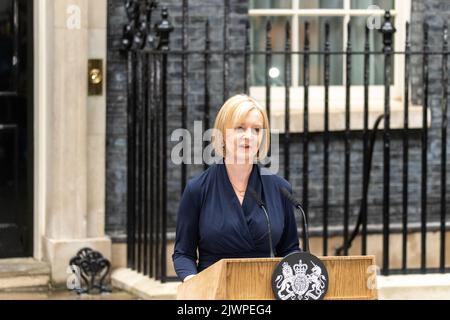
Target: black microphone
{"type": "Point", "coordinates": [263, 207]}
{"type": "Point", "coordinates": [298, 206]}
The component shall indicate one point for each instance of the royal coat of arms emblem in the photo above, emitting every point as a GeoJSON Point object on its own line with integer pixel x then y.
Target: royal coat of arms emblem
{"type": "Point", "coordinates": [300, 276]}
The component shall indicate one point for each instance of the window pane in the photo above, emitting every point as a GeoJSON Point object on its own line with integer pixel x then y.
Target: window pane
{"type": "Point", "coordinates": [317, 43]}
{"type": "Point", "coordinates": [321, 4]}
{"type": "Point", "coordinates": [364, 4]}
{"type": "Point", "coordinates": [6, 45]}
{"type": "Point", "coordinates": [258, 43]}
{"type": "Point", "coordinates": [358, 25]}
{"type": "Point", "coordinates": [270, 4]}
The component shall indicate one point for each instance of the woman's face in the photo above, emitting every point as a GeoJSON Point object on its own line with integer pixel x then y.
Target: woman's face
{"type": "Point", "coordinates": [242, 142]}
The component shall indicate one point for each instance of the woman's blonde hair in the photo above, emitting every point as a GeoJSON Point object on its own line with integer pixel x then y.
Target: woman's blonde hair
{"type": "Point", "coordinates": [232, 113]}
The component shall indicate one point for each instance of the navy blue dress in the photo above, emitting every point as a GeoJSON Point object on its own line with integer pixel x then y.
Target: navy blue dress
{"type": "Point", "coordinates": [212, 220]}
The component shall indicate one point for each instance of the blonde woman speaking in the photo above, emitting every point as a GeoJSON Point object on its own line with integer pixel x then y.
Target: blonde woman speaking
{"type": "Point", "coordinates": [219, 216]}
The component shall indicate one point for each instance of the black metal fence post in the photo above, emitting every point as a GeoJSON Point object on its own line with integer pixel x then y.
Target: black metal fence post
{"type": "Point", "coordinates": [405, 133]}
{"type": "Point", "coordinates": [184, 79]}
{"type": "Point", "coordinates": [163, 30]}
{"type": "Point", "coordinates": [326, 138]}
{"type": "Point", "coordinates": [388, 30]}
{"type": "Point", "coordinates": [146, 137]}
{"type": "Point", "coordinates": [153, 164]}
{"type": "Point", "coordinates": [268, 66]}
{"type": "Point", "coordinates": [226, 62]}
{"type": "Point", "coordinates": [423, 258]}
{"type": "Point", "coordinates": [305, 123]}
{"type": "Point", "coordinates": [444, 109]}
{"type": "Point", "coordinates": [365, 176]}
{"type": "Point", "coordinates": [151, 87]}
{"type": "Point", "coordinates": [348, 81]}
{"type": "Point", "coordinates": [247, 57]}
{"type": "Point", "coordinates": [287, 99]}
{"type": "Point", "coordinates": [206, 116]}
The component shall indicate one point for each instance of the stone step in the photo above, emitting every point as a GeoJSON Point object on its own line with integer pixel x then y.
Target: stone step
{"type": "Point", "coordinates": [23, 274]}
{"type": "Point", "coordinates": [414, 287]}
{"type": "Point", "coordinates": [142, 286]}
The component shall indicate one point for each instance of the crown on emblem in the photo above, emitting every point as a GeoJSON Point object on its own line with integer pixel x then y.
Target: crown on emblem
{"type": "Point", "coordinates": [300, 268]}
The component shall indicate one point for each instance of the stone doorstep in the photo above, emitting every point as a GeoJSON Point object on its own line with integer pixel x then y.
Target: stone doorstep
{"type": "Point", "coordinates": [20, 274]}
{"type": "Point", "coordinates": [143, 286]}
{"type": "Point", "coordinates": [416, 287]}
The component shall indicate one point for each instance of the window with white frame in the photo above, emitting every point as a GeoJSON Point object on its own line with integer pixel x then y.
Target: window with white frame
{"type": "Point", "coordinates": [338, 13]}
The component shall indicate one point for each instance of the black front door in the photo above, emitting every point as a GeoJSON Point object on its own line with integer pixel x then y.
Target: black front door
{"type": "Point", "coordinates": [16, 128]}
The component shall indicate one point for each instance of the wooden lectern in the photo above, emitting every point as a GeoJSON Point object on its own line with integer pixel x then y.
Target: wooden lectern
{"type": "Point", "coordinates": [246, 279]}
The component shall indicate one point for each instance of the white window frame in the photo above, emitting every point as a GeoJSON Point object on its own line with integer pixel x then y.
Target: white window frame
{"type": "Point", "coordinates": [337, 93]}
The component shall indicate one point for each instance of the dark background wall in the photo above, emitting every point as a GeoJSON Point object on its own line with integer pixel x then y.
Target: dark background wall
{"type": "Point", "coordinates": [433, 11]}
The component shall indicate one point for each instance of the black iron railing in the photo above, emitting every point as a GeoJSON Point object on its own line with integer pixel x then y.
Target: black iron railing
{"type": "Point", "coordinates": [148, 51]}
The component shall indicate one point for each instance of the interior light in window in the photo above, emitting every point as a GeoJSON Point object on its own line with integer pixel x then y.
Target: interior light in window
{"type": "Point", "coordinates": [274, 73]}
